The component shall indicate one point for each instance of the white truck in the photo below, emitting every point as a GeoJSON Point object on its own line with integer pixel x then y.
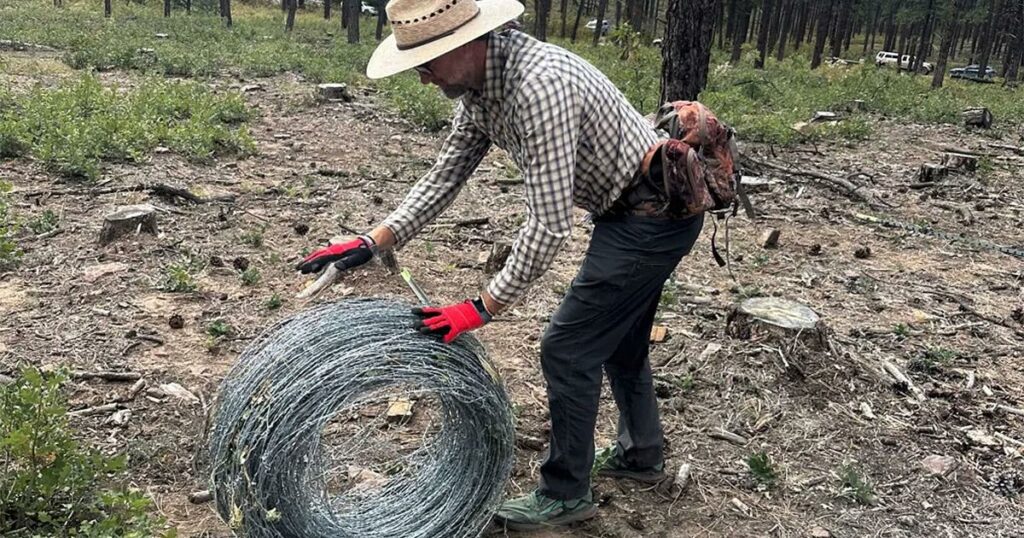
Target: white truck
{"type": "Point", "coordinates": [893, 58]}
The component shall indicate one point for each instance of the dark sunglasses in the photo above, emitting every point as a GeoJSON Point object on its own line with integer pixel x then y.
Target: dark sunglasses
{"type": "Point", "coordinates": [424, 69]}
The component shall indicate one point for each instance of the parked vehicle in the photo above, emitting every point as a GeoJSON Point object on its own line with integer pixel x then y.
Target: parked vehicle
{"type": "Point", "coordinates": [893, 58]}
{"type": "Point", "coordinates": [605, 26]}
{"type": "Point", "coordinates": [973, 72]}
{"type": "Point", "coordinates": [367, 9]}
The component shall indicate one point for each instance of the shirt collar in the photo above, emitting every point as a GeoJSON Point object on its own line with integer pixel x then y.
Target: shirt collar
{"type": "Point", "coordinates": [495, 66]}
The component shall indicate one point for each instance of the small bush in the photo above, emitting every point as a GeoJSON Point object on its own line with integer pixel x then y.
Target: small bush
{"type": "Point", "coordinates": [761, 468]}
{"type": "Point", "coordinates": [178, 278]}
{"type": "Point", "coordinates": [74, 127]}
{"type": "Point", "coordinates": [51, 485]}
{"type": "Point", "coordinates": [274, 302]}
{"type": "Point", "coordinates": [10, 254]}
{"type": "Point", "coordinates": [856, 486]}
{"type": "Point", "coordinates": [46, 222]}
{"type": "Point", "coordinates": [219, 328]}
{"type": "Point", "coordinates": [251, 276]}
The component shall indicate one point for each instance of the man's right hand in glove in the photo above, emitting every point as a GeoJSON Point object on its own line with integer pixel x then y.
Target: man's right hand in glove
{"type": "Point", "coordinates": [343, 255]}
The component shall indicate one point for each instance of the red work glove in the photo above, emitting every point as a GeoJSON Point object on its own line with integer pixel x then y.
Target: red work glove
{"type": "Point", "coordinates": [452, 320]}
{"type": "Point", "coordinates": [343, 255]}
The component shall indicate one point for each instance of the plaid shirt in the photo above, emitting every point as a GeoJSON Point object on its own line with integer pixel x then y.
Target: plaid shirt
{"type": "Point", "coordinates": [575, 137]}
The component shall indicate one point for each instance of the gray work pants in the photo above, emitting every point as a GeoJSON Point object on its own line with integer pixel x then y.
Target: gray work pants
{"type": "Point", "coordinates": [605, 321]}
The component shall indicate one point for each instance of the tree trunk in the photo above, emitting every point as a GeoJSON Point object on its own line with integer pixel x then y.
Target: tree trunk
{"type": "Point", "coordinates": [946, 46]}
{"type": "Point", "coordinates": [987, 35]}
{"type": "Point", "coordinates": [804, 11]}
{"type": "Point", "coordinates": [562, 10]}
{"type": "Point", "coordinates": [327, 10]}
{"type": "Point", "coordinates": [225, 13]}
{"type": "Point", "coordinates": [873, 30]}
{"type": "Point", "coordinates": [773, 27]}
{"type": "Point", "coordinates": [732, 15]}
{"type": "Point", "coordinates": [740, 31]}
{"type": "Point", "coordinates": [188, 7]}
{"type": "Point", "coordinates": [106, 8]}
{"type": "Point", "coordinates": [686, 52]}
{"type": "Point", "coordinates": [1016, 53]}
{"type": "Point", "coordinates": [762, 32]}
{"type": "Point", "coordinates": [382, 20]}
{"type": "Point", "coordinates": [891, 28]}
{"type": "Point", "coordinates": [167, 8]}
{"type": "Point", "coordinates": [924, 45]}
{"type": "Point", "coordinates": [720, 29]}
{"type": "Point", "coordinates": [543, 8]}
{"type": "Point", "coordinates": [824, 18]}
{"type": "Point", "coordinates": [353, 20]}
{"type": "Point", "coordinates": [787, 21]}
{"type": "Point", "coordinates": [839, 29]}
{"type": "Point", "coordinates": [289, 22]}
{"type": "Point", "coordinates": [635, 14]}
{"type": "Point", "coordinates": [576, 25]}
{"type": "Point", "coordinates": [601, 8]}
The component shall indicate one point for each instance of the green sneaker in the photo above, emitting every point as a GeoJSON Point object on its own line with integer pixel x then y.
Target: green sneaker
{"type": "Point", "coordinates": [609, 463]}
{"type": "Point", "coordinates": [535, 511]}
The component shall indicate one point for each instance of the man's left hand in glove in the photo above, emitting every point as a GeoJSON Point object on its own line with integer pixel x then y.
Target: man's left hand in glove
{"type": "Point", "coordinates": [452, 320]}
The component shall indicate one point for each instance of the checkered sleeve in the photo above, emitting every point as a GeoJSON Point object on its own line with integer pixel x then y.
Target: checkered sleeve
{"type": "Point", "coordinates": [460, 154]}
{"type": "Point", "coordinates": [549, 113]}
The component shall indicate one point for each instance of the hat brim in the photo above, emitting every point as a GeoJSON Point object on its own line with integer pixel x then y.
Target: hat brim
{"type": "Point", "coordinates": [388, 60]}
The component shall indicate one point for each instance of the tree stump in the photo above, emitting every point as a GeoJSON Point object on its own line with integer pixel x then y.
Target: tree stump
{"type": "Point", "coordinates": [127, 220]}
{"type": "Point", "coordinates": [977, 117]}
{"type": "Point", "coordinates": [496, 260]}
{"type": "Point", "coordinates": [781, 320]}
{"type": "Point", "coordinates": [931, 173]}
{"type": "Point", "coordinates": [960, 162]}
{"type": "Point", "coordinates": [334, 92]}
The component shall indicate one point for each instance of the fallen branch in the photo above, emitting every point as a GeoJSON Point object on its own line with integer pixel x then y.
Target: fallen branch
{"type": "Point", "coordinates": [726, 435]}
{"type": "Point", "coordinates": [1015, 149]}
{"type": "Point", "coordinates": [108, 376]}
{"type": "Point", "coordinates": [158, 189]}
{"type": "Point", "coordinates": [840, 184]}
{"type": "Point", "coordinates": [900, 377]}
{"type": "Point", "coordinates": [98, 410]}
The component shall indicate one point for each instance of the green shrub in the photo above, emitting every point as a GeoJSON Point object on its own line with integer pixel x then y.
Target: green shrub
{"type": "Point", "coordinates": [74, 127]}
{"type": "Point", "coordinates": [178, 278]}
{"type": "Point", "coordinates": [51, 485]}
{"type": "Point", "coordinates": [10, 254]}
{"type": "Point", "coordinates": [219, 328]}
{"type": "Point", "coordinates": [761, 468]}
{"type": "Point", "coordinates": [251, 276]}
{"type": "Point", "coordinates": [45, 222]}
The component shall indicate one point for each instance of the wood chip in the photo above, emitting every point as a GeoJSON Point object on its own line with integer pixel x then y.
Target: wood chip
{"type": "Point", "coordinates": [659, 333]}
{"type": "Point", "coordinates": [400, 410]}
{"type": "Point", "coordinates": [729, 436]}
{"type": "Point", "coordinates": [740, 506]}
{"type": "Point", "coordinates": [200, 497]}
{"type": "Point", "coordinates": [865, 409]}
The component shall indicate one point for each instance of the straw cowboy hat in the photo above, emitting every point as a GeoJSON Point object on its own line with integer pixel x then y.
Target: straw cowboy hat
{"type": "Point", "coordinates": [422, 30]}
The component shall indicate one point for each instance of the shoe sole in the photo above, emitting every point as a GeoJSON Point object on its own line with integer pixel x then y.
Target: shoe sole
{"type": "Point", "coordinates": [567, 519]}
{"type": "Point", "coordinates": [645, 478]}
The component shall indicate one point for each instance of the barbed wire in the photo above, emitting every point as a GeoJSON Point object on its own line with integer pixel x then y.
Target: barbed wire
{"type": "Point", "coordinates": [299, 425]}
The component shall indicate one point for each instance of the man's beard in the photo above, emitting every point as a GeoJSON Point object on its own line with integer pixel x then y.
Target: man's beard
{"type": "Point", "coordinates": [454, 91]}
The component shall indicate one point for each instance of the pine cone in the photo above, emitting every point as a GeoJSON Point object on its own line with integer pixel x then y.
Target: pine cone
{"type": "Point", "coordinates": [1007, 484]}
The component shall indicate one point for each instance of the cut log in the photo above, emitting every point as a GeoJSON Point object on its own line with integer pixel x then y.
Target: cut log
{"type": "Point", "coordinates": [977, 117]}
{"type": "Point", "coordinates": [960, 162]}
{"type": "Point", "coordinates": [335, 92]}
{"type": "Point", "coordinates": [931, 173]}
{"type": "Point", "coordinates": [500, 252]}
{"type": "Point", "coordinates": [127, 220]}
{"type": "Point", "coordinates": [770, 238]}
{"type": "Point", "coordinates": [780, 319]}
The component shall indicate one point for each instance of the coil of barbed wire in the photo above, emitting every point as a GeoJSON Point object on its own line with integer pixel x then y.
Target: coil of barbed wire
{"type": "Point", "coordinates": [301, 446]}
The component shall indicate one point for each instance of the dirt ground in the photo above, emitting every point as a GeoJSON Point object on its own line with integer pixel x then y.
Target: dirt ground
{"type": "Point", "coordinates": [948, 315]}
